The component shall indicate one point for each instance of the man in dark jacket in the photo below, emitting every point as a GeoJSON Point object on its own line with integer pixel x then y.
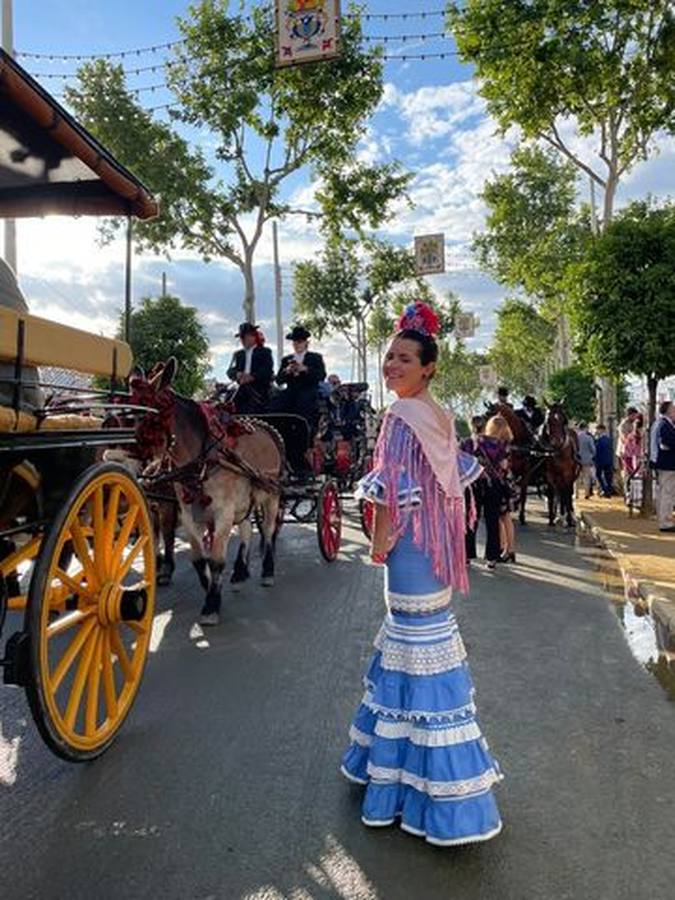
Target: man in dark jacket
{"type": "Point", "coordinates": [300, 373]}
{"type": "Point", "coordinates": [604, 461]}
{"type": "Point", "coordinates": [665, 466]}
{"type": "Point", "coordinates": [531, 414]}
{"type": "Point", "coordinates": [252, 368]}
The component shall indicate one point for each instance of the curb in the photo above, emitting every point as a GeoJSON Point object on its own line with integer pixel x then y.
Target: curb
{"type": "Point", "coordinates": [642, 593]}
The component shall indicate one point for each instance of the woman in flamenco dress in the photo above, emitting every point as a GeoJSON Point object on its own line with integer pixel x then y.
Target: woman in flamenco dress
{"type": "Point", "coordinates": [415, 741]}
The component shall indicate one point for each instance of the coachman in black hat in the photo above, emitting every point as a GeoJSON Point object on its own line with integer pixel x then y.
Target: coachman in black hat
{"type": "Point", "coordinates": [300, 373]}
{"type": "Point", "coordinates": [252, 368]}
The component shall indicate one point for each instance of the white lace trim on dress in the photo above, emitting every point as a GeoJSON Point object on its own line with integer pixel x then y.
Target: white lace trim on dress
{"type": "Point", "coordinates": [419, 603]}
{"type": "Point", "coordinates": [468, 787]}
{"type": "Point", "coordinates": [431, 659]}
{"type": "Point", "coordinates": [425, 737]}
{"type": "Point", "coordinates": [424, 715]}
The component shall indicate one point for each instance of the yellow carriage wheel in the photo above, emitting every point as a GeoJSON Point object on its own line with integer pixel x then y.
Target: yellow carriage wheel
{"type": "Point", "coordinates": [89, 614]}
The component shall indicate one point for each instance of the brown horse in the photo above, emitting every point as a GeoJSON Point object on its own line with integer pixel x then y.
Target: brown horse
{"type": "Point", "coordinates": [525, 466]}
{"type": "Point", "coordinates": [562, 465]}
{"type": "Point", "coordinates": [217, 485]}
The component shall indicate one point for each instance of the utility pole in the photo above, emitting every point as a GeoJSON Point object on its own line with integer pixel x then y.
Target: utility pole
{"type": "Point", "coordinates": [127, 280]}
{"type": "Point", "coordinates": [277, 293]}
{"type": "Point", "coordinates": [163, 284]}
{"type": "Point", "coordinates": [8, 46]}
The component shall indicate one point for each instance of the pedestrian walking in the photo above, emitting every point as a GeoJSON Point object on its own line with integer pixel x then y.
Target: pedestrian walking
{"type": "Point", "coordinates": [604, 461]}
{"type": "Point", "coordinates": [632, 459]}
{"type": "Point", "coordinates": [665, 466]}
{"type": "Point", "coordinates": [586, 461]}
{"type": "Point", "coordinates": [415, 742]}
{"type": "Point", "coordinates": [624, 429]}
{"type": "Point", "coordinates": [474, 493]}
{"type": "Point", "coordinates": [496, 462]}
{"type": "Point", "coordinates": [492, 454]}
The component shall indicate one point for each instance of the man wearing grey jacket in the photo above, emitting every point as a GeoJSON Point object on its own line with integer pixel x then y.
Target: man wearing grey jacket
{"type": "Point", "coordinates": [586, 460]}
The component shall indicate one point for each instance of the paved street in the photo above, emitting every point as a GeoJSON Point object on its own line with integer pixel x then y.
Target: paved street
{"type": "Point", "coordinates": [224, 782]}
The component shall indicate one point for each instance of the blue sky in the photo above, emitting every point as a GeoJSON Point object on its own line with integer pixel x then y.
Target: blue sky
{"type": "Point", "coordinates": [431, 119]}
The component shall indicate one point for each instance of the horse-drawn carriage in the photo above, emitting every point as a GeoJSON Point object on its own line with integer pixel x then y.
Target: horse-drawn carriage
{"type": "Point", "coordinates": [77, 558]}
{"type": "Point", "coordinates": [322, 467]}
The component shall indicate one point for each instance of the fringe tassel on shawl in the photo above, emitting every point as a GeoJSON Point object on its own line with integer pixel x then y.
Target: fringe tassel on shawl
{"type": "Point", "coordinates": [439, 524]}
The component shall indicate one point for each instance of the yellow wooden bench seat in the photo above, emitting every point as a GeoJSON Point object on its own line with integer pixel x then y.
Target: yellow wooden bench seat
{"type": "Point", "coordinates": [25, 422]}
{"type": "Point", "coordinates": [51, 344]}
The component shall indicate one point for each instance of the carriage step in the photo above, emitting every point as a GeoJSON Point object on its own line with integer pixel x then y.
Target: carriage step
{"type": "Point", "coordinates": [16, 662]}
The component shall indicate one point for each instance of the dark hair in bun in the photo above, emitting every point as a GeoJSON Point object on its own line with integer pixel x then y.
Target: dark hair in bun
{"type": "Point", "coordinates": [428, 348]}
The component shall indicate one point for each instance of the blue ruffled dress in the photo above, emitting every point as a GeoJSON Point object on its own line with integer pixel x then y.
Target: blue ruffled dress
{"type": "Point", "coordinates": [415, 740]}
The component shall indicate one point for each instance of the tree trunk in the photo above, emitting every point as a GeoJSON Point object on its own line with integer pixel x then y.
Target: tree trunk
{"type": "Point", "coordinates": [648, 484]}
{"type": "Point", "coordinates": [249, 289]}
{"type": "Point", "coordinates": [608, 412]}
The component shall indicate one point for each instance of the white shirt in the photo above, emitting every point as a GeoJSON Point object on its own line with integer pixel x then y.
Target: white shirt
{"type": "Point", "coordinates": [299, 357]}
{"type": "Point", "coordinates": [249, 360]}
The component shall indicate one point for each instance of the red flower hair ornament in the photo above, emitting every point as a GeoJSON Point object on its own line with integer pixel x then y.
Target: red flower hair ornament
{"type": "Point", "coordinates": [420, 317]}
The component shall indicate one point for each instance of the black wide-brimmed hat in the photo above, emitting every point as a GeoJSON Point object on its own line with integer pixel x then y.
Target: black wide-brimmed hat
{"type": "Point", "coordinates": [246, 328]}
{"type": "Point", "coordinates": [298, 333]}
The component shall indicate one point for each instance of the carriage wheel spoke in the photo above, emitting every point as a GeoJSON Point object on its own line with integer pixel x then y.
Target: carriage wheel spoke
{"type": "Point", "coordinates": [80, 680]}
{"type": "Point", "coordinates": [121, 653]}
{"type": "Point", "coordinates": [81, 548]}
{"type": "Point", "coordinates": [111, 515]}
{"type": "Point", "coordinates": [69, 656]}
{"type": "Point", "coordinates": [123, 537]}
{"type": "Point", "coordinates": [63, 623]}
{"type": "Point", "coordinates": [131, 556]}
{"type": "Point", "coordinates": [93, 687]}
{"type": "Point", "coordinates": [70, 581]}
{"type": "Point", "coordinates": [101, 549]}
{"type": "Point", "coordinates": [108, 677]}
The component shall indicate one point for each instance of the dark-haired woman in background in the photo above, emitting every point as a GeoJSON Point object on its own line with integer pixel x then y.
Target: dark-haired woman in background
{"type": "Point", "coordinates": [415, 740]}
{"type": "Point", "coordinates": [473, 495]}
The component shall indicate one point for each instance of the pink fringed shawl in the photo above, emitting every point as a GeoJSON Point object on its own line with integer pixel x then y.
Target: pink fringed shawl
{"type": "Point", "coordinates": [419, 442]}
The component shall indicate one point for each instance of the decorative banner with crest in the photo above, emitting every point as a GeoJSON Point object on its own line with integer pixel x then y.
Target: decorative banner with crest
{"type": "Point", "coordinates": [430, 254]}
{"type": "Point", "coordinates": [487, 377]}
{"type": "Point", "coordinates": [465, 325]}
{"type": "Point", "coordinates": [307, 31]}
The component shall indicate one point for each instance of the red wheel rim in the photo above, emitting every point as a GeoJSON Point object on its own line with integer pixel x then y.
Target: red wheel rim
{"type": "Point", "coordinates": [330, 523]}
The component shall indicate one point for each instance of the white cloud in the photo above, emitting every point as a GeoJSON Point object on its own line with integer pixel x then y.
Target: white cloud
{"type": "Point", "coordinates": [437, 111]}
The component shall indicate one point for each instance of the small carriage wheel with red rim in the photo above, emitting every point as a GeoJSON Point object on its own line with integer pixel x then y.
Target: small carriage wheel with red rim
{"type": "Point", "coordinates": [329, 521]}
{"type": "Point", "coordinates": [367, 513]}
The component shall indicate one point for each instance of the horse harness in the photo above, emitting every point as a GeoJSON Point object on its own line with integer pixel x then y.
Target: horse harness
{"type": "Point", "coordinates": [218, 451]}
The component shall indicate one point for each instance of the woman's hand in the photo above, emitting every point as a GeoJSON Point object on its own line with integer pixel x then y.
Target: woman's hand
{"type": "Point", "coordinates": [382, 541]}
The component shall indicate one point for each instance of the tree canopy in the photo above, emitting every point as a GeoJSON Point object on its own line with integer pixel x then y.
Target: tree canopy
{"type": "Point", "coordinates": [606, 68]}
{"type": "Point", "coordinates": [163, 327]}
{"type": "Point", "coordinates": [351, 285]}
{"type": "Point", "coordinates": [265, 124]}
{"type": "Point", "coordinates": [623, 295]}
{"type": "Point", "coordinates": [533, 230]}
{"type": "Point", "coordinates": [576, 389]}
{"type": "Point", "coordinates": [521, 347]}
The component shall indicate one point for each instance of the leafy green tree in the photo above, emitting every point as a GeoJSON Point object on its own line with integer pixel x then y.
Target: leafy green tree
{"type": "Point", "coordinates": [576, 388]}
{"type": "Point", "coordinates": [623, 297]}
{"type": "Point", "coordinates": [266, 123]}
{"type": "Point", "coordinates": [162, 159]}
{"type": "Point", "coordinates": [561, 70]}
{"type": "Point", "coordinates": [163, 327]}
{"type": "Point", "coordinates": [605, 69]}
{"type": "Point", "coordinates": [522, 346]}
{"type": "Point", "coordinates": [533, 230]}
{"type": "Point", "coordinates": [457, 378]}
{"type": "Point", "coordinates": [623, 300]}
{"type": "Point", "coordinates": [346, 286]}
